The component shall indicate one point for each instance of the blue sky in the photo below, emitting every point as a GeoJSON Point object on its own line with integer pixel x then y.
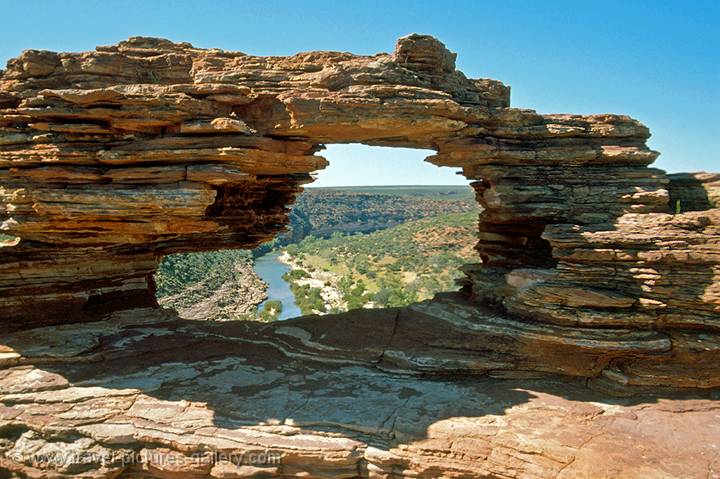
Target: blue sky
{"type": "Point", "coordinates": [657, 61]}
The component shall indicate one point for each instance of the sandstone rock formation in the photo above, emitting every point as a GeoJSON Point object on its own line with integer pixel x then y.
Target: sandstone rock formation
{"type": "Point", "coordinates": [318, 398]}
{"type": "Point", "coordinates": [594, 267]}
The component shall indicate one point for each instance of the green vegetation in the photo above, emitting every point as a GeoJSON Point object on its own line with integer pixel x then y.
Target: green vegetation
{"type": "Point", "coordinates": [392, 267]}
{"type": "Point", "coordinates": [177, 272]}
{"type": "Point", "coordinates": [294, 274]}
{"type": "Point", "coordinates": [446, 192]}
{"type": "Point", "coordinates": [8, 240]}
{"type": "Point", "coordinates": [308, 299]}
{"type": "Point", "coordinates": [323, 211]}
{"type": "Point", "coordinates": [356, 247]}
{"type": "Point", "coordinates": [270, 312]}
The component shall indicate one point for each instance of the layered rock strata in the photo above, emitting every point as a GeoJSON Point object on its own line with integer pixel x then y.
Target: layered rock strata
{"type": "Point", "coordinates": [111, 159]}
{"type": "Point", "coordinates": [336, 396]}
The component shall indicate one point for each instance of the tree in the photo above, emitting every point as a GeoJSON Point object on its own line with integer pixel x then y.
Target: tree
{"type": "Point", "coordinates": [271, 311]}
{"type": "Point", "coordinates": [382, 297]}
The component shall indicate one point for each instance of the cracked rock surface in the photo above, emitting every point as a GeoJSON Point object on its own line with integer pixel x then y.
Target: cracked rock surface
{"type": "Point", "coordinates": [164, 397]}
{"type": "Point", "coordinates": [583, 344]}
{"type": "Point", "coordinates": [112, 158]}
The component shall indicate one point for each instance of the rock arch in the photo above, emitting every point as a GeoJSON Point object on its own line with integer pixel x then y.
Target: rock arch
{"type": "Point", "coordinates": [111, 159]}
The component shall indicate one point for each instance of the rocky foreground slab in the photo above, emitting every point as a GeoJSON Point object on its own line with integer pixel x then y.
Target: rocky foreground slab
{"type": "Point", "coordinates": [145, 394]}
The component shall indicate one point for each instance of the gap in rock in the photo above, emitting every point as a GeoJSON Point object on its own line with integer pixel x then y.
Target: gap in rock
{"type": "Point", "coordinates": [8, 241]}
{"type": "Point", "coordinates": [379, 227]}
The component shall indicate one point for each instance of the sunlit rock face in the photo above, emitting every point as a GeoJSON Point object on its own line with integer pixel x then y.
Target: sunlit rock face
{"type": "Point", "coordinates": [596, 271]}
{"type": "Point", "coordinates": [112, 158]}
{"type": "Point", "coordinates": [323, 397]}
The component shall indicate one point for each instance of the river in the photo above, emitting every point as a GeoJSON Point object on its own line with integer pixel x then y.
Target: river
{"type": "Point", "coordinates": [270, 270]}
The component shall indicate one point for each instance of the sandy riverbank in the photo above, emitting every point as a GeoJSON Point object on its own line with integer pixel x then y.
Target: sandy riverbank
{"type": "Point", "coordinates": [325, 281]}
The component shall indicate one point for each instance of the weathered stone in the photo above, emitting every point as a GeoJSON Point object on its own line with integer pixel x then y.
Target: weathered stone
{"type": "Point", "coordinates": [181, 142]}
{"type": "Point", "coordinates": [167, 398]}
{"type": "Point", "coordinates": [175, 165]}
{"type": "Point", "coordinates": [694, 191]}
{"type": "Point", "coordinates": [113, 158]}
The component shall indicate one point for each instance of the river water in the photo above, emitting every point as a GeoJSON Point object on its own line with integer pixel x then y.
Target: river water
{"type": "Point", "coordinates": [270, 270]}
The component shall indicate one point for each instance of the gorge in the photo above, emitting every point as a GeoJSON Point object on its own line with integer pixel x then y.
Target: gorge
{"type": "Point", "coordinates": [584, 344]}
{"type": "Point", "coordinates": [271, 270]}
{"type": "Point", "coordinates": [233, 284]}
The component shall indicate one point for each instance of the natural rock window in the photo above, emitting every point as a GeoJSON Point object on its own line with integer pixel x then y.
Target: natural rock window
{"type": "Point", "coordinates": [598, 276]}
{"type": "Point", "coordinates": [148, 148]}
{"type": "Point", "coordinates": [349, 244]}
{"type": "Point", "coordinates": [8, 241]}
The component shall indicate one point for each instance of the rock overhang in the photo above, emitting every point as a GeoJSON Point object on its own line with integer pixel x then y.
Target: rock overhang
{"type": "Point", "coordinates": [596, 271]}
{"type": "Point", "coordinates": [111, 159]}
